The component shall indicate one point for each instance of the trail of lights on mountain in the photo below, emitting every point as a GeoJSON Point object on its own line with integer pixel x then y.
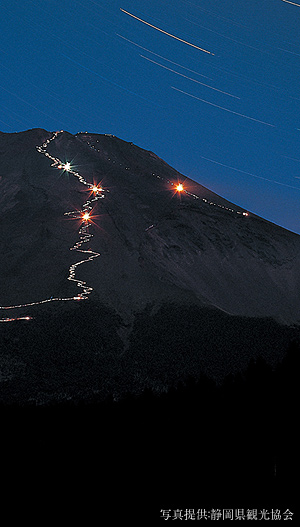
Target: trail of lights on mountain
{"type": "Point", "coordinates": [84, 235]}
{"type": "Point", "coordinates": [16, 318]}
{"type": "Point", "coordinates": [85, 217]}
{"type": "Point", "coordinates": [179, 187]}
{"type": "Point", "coordinates": [82, 215]}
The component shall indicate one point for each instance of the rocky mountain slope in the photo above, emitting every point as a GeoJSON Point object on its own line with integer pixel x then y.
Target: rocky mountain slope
{"type": "Point", "coordinates": [159, 254]}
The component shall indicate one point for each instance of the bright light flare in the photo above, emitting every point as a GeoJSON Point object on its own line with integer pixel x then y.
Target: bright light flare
{"type": "Point", "coordinates": [66, 166]}
{"type": "Point", "coordinates": [86, 216]}
{"type": "Point", "coordinates": [177, 188]}
{"type": "Point", "coordinates": [96, 189]}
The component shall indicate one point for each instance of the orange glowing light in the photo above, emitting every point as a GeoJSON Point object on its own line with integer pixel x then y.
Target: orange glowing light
{"type": "Point", "coordinates": [86, 216]}
{"type": "Point", "coordinates": [179, 187]}
{"type": "Point", "coordinates": [96, 189]}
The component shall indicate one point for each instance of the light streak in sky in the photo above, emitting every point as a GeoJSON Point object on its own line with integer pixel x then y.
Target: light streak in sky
{"type": "Point", "coordinates": [111, 82]}
{"type": "Point", "coordinates": [164, 58]}
{"type": "Point", "coordinates": [291, 52]}
{"type": "Point", "coordinates": [28, 103]}
{"type": "Point", "coordinates": [9, 126]}
{"type": "Point", "coordinates": [165, 32]}
{"type": "Point", "coordinates": [293, 3]}
{"type": "Point", "coordinates": [214, 14]}
{"type": "Point", "coordinates": [228, 38]}
{"type": "Point", "coordinates": [186, 77]}
{"type": "Point", "coordinates": [10, 112]}
{"type": "Point", "coordinates": [246, 77]}
{"type": "Point", "coordinates": [292, 158]}
{"type": "Point", "coordinates": [222, 108]}
{"type": "Point", "coordinates": [50, 93]}
{"type": "Point", "coordinates": [250, 174]}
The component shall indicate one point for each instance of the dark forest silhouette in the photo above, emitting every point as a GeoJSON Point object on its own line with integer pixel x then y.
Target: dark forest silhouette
{"type": "Point", "coordinates": [200, 443]}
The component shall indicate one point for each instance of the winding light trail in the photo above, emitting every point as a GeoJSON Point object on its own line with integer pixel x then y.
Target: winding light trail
{"type": "Point", "coordinates": [85, 217]}
{"type": "Point", "coordinates": [85, 236]}
{"type": "Point", "coordinates": [165, 32]}
{"type": "Point", "coordinates": [16, 318]}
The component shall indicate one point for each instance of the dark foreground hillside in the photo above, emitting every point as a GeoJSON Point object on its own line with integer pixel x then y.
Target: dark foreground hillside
{"type": "Point", "coordinates": [77, 355]}
{"type": "Point", "coordinates": [174, 386]}
{"type": "Point", "coordinates": [200, 444]}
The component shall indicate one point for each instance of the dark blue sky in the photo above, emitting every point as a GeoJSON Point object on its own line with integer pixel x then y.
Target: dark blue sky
{"type": "Point", "coordinates": [228, 119]}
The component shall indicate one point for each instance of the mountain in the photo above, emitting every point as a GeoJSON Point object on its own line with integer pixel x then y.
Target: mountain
{"type": "Point", "coordinates": [160, 283]}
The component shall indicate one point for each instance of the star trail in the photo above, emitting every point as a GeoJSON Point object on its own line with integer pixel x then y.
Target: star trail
{"type": "Point", "coordinates": [191, 80]}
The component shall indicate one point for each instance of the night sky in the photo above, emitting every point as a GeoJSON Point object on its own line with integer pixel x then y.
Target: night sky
{"type": "Point", "coordinates": [225, 115]}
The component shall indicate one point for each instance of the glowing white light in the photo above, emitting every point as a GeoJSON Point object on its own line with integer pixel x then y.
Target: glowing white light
{"type": "Point", "coordinates": [67, 167]}
{"type": "Point", "coordinates": [96, 189]}
{"type": "Point", "coordinates": [179, 187]}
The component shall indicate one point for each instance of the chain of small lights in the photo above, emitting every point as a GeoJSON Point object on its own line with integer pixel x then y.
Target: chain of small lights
{"type": "Point", "coordinates": [85, 236]}
{"type": "Point", "coordinates": [85, 217]}
{"type": "Point", "coordinates": [178, 186]}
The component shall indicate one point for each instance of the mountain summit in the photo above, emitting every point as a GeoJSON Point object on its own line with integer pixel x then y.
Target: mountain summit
{"type": "Point", "coordinates": [166, 263]}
